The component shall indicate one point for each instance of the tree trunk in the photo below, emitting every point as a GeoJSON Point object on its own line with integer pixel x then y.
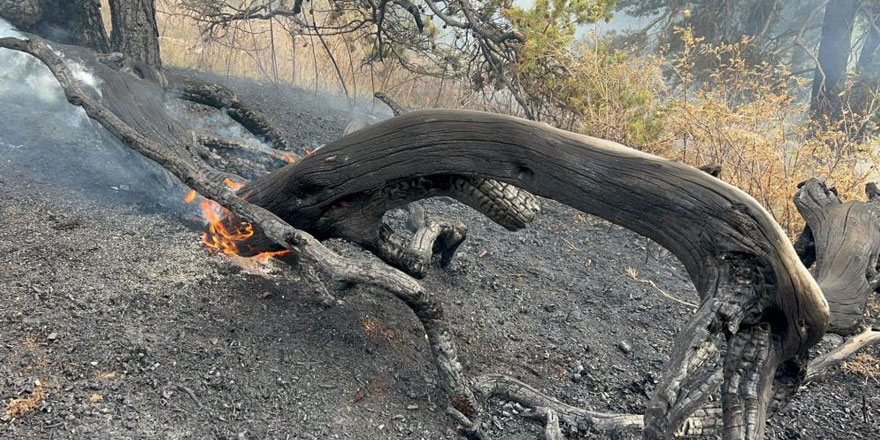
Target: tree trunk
{"type": "Point", "coordinates": [868, 66]}
{"type": "Point", "coordinates": [845, 239]}
{"type": "Point", "coordinates": [834, 47]}
{"type": "Point", "coordinates": [76, 22]}
{"type": "Point", "coordinates": [135, 31]}
{"type": "Point", "coordinates": [868, 70]}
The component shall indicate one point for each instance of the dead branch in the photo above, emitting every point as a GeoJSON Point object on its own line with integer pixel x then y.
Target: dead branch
{"type": "Point", "coordinates": [396, 109]}
{"type": "Point", "coordinates": [820, 366]}
{"type": "Point", "coordinates": [219, 97]}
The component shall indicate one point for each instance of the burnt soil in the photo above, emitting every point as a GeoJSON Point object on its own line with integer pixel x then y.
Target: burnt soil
{"type": "Point", "coordinates": [116, 323]}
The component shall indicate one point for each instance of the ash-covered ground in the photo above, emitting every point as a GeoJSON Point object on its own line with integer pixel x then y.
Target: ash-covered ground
{"type": "Point", "coordinates": [116, 323]}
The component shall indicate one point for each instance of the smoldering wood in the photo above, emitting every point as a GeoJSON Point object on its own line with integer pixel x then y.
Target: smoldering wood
{"type": "Point", "coordinates": [247, 160]}
{"type": "Point", "coordinates": [220, 97]}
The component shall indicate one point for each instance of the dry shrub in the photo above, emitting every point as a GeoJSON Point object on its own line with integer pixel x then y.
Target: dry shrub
{"type": "Point", "coordinates": [265, 50]}
{"type": "Point", "coordinates": [748, 119]}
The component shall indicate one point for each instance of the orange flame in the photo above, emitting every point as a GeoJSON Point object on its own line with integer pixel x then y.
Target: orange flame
{"type": "Point", "coordinates": [224, 231]}
{"type": "Point", "coordinates": [288, 158]}
{"type": "Point", "coordinates": [190, 196]}
{"type": "Point", "coordinates": [233, 185]}
{"type": "Point", "coordinates": [267, 255]}
{"type": "Point", "coordinates": [308, 151]}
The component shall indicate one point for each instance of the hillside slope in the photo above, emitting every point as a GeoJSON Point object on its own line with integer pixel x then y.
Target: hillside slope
{"type": "Point", "coordinates": [117, 323]}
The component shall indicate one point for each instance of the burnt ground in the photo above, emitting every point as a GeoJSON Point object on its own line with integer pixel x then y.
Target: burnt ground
{"type": "Point", "coordinates": [116, 323]}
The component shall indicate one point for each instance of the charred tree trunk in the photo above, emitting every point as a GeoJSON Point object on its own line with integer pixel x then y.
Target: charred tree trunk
{"type": "Point", "coordinates": [834, 47]}
{"type": "Point", "coordinates": [135, 31]}
{"type": "Point", "coordinates": [844, 241]}
{"type": "Point", "coordinates": [76, 22]}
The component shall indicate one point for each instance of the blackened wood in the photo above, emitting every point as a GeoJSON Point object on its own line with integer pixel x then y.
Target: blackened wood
{"type": "Point", "coordinates": [844, 239]}
{"type": "Point", "coordinates": [705, 222]}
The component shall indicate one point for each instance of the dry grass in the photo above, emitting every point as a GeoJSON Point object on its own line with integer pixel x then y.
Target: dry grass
{"type": "Point", "coordinates": [864, 365]}
{"type": "Point", "coordinates": [19, 407]}
{"type": "Point", "coordinates": [266, 51]}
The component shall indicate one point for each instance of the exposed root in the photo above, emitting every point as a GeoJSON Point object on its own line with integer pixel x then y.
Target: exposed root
{"type": "Point", "coordinates": [574, 418]}
{"type": "Point", "coordinates": [571, 419]}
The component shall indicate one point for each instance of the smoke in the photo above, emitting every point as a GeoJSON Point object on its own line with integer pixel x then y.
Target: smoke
{"type": "Point", "coordinates": [45, 138]}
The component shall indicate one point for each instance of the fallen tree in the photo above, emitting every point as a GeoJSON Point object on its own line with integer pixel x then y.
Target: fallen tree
{"type": "Point", "coordinates": [760, 309]}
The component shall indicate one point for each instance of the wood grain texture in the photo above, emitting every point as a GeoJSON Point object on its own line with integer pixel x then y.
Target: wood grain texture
{"type": "Point", "coordinates": [845, 242]}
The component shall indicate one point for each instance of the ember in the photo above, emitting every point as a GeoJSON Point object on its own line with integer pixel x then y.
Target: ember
{"type": "Point", "coordinates": [233, 185]}
{"type": "Point", "coordinates": [190, 196]}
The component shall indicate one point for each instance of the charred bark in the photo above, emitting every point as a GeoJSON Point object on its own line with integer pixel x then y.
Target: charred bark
{"type": "Point", "coordinates": [135, 31]}
{"type": "Point", "coordinates": [844, 239]}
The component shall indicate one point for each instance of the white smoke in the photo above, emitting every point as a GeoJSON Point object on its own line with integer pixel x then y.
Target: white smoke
{"type": "Point", "coordinates": [20, 69]}
{"type": "Point", "coordinates": [44, 135]}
